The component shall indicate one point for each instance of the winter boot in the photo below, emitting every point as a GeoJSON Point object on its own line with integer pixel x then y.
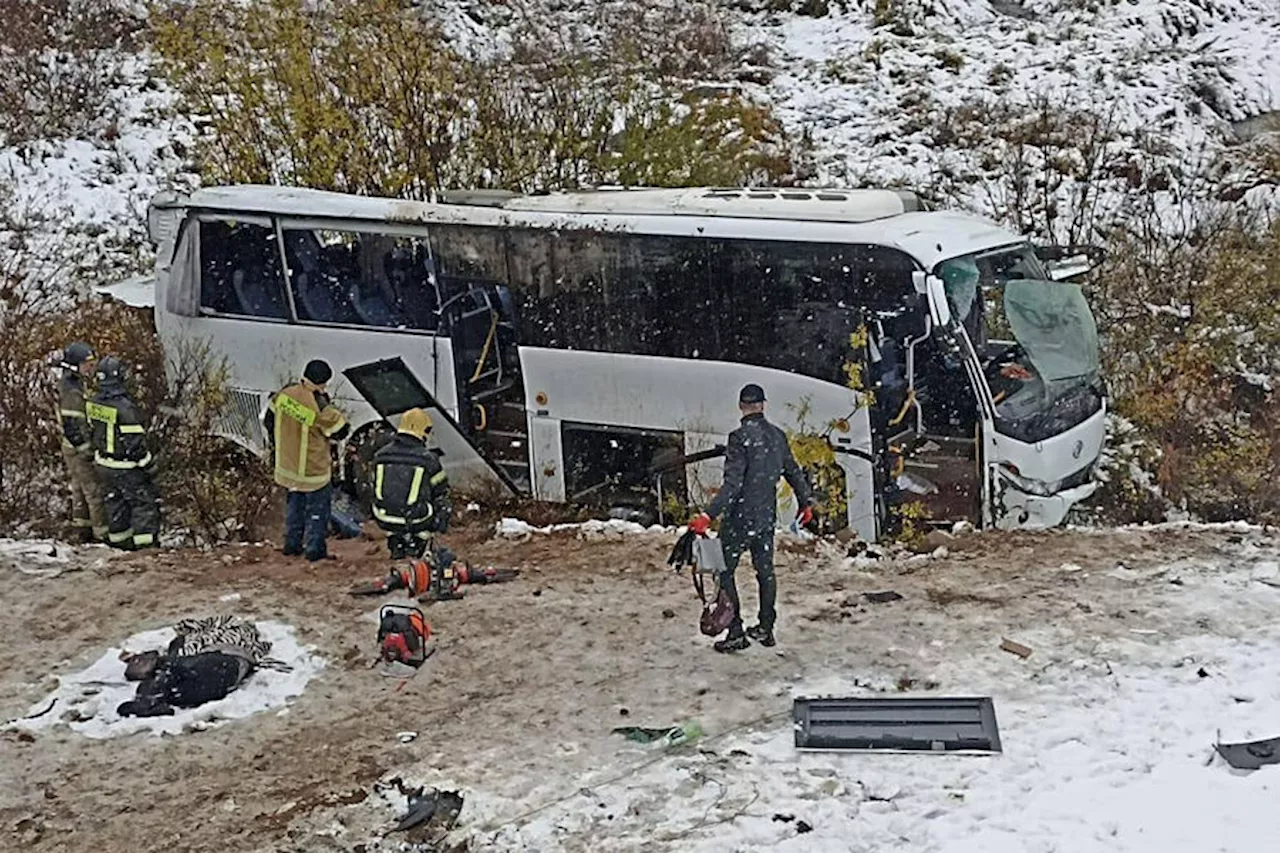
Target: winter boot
{"type": "Point", "coordinates": [732, 643]}
{"type": "Point", "coordinates": [762, 635]}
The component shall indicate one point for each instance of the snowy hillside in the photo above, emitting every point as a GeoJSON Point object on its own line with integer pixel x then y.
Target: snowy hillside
{"type": "Point", "coordinates": [894, 93]}
{"type": "Point", "coordinates": [882, 101]}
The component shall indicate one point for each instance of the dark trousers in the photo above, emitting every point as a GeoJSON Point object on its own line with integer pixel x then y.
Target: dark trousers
{"type": "Point", "coordinates": [408, 544]}
{"type": "Point", "coordinates": [306, 522]}
{"type": "Point", "coordinates": [133, 510]}
{"type": "Point", "coordinates": [760, 544]}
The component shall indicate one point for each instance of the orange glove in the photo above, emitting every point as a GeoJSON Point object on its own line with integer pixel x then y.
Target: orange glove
{"type": "Point", "coordinates": [700, 523]}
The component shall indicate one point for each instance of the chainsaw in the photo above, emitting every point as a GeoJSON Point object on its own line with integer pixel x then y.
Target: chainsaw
{"type": "Point", "coordinates": [434, 580]}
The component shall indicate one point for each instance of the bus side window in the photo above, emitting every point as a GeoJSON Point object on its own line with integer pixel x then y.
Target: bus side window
{"type": "Point", "coordinates": [361, 278]}
{"type": "Point", "coordinates": [240, 270]}
{"type": "Point", "coordinates": [790, 305]}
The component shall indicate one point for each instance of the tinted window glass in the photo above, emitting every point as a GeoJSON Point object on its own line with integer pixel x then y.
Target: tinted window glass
{"type": "Point", "coordinates": [363, 279]}
{"type": "Point", "coordinates": [466, 255]}
{"type": "Point", "coordinates": [793, 306]}
{"type": "Point", "coordinates": [610, 292]}
{"type": "Point", "coordinates": [240, 270]}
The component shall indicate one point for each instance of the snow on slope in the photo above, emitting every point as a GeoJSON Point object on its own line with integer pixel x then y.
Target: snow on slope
{"type": "Point", "coordinates": [86, 199]}
{"type": "Point", "coordinates": [877, 99]}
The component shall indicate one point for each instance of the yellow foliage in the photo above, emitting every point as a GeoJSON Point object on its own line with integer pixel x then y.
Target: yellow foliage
{"type": "Point", "coordinates": [910, 517]}
{"type": "Point", "coordinates": [368, 96]}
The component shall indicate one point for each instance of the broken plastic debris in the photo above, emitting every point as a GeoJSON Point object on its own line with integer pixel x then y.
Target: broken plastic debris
{"type": "Point", "coordinates": [1251, 755]}
{"type": "Point", "coordinates": [1015, 648]}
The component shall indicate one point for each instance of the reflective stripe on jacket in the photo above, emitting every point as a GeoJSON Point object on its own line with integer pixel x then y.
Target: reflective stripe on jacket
{"type": "Point", "coordinates": [75, 427]}
{"type": "Point", "coordinates": [410, 487]}
{"type": "Point", "coordinates": [118, 436]}
{"type": "Point", "coordinates": [302, 428]}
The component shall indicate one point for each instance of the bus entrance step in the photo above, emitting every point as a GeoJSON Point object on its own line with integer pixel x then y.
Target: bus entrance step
{"type": "Point", "coordinates": [496, 391]}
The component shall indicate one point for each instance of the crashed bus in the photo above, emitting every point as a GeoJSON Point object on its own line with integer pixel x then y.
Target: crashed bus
{"type": "Point", "coordinates": [587, 347]}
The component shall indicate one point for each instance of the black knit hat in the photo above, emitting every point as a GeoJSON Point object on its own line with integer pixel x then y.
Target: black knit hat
{"type": "Point", "coordinates": [751, 394]}
{"type": "Point", "coordinates": [318, 372]}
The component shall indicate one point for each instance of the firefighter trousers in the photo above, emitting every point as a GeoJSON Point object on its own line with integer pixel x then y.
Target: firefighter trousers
{"type": "Point", "coordinates": [87, 511]}
{"type": "Point", "coordinates": [133, 510]}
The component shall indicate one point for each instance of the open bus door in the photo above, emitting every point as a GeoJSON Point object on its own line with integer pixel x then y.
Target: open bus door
{"type": "Point", "coordinates": [392, 389]}
{"type": "Point", "coordinates": [480, 318]}
{"type": "Point", "coordinates": [928, 416]}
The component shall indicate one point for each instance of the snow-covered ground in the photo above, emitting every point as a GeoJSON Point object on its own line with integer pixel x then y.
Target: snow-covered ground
{"type": "Point", "coordinates": [876, 99]}
{"type": "Point", "coordinates": [87, 700]}
{"type": "Point", "coordinates": [1107, 735]}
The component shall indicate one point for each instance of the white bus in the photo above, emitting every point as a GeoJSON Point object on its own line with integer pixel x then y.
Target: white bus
{"type": "Point", "coordinates": [588, 347]}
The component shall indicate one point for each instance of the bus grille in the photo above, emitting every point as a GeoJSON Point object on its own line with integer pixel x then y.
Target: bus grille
{"type": "Point", "coordinates": [240, 421]}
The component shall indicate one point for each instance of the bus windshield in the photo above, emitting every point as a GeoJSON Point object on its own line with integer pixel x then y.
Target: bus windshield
{"type": "Point", "coordinates": [1037, 340]}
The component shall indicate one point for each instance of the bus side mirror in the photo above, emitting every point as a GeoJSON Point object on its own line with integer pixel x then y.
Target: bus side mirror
{"type": "Point", "coordinates": [939, 309]}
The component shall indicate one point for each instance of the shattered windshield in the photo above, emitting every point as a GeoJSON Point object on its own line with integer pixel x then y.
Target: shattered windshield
{"type": "Point", "coordinates": [1036, 339]}
{"type": "Point", "coordinates": [1052, 323]}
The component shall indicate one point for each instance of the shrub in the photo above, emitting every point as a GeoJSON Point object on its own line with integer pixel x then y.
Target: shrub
{"type": "Point", "coordinates": [1192, 317]}
{"type": "Point", "coordinates": [211, 493]}
{"type": "Point", "coordinates": [59, 60]}
{"type": "Point", "coordinates": [368, 96]}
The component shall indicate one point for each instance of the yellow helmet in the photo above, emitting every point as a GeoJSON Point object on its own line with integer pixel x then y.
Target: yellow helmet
{"type": "Point", "coordinates": [416, 423]}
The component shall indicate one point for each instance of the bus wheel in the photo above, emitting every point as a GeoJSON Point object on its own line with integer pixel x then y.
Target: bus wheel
{"type": "Point", "coordinates": [358, 470]}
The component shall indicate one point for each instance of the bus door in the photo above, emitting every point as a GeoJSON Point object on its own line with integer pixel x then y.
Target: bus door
{"type": "Point", "coordinates": [480, 318]}
{"type": "Point", "coordinates": [928, 415]}
{"type": "Point", "coordinates": [391, 388]}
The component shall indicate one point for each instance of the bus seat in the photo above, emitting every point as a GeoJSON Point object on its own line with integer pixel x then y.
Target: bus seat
{"type": "Point", "coordinates": [371, 308]}
{"type": "Point", "coordinates": [257, 295]}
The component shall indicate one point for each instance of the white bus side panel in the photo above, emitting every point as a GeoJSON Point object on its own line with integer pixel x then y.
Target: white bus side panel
{"type": "Point", "coordinates": [265, 356]}
{"type": "Point", "coordinates": [546, 459]}
{"type": "Point", "coordinates": [697, 398]}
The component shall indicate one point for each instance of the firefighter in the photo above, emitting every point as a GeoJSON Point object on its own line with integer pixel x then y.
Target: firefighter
{"type": "Point", "coordinates": [304, 425]}
{"type": "Point", "coordinates": [756, 456]}
{"type": "Point", "coordinates": [122, 460]}
{"type": "Point", "coordinates": [410, 489]}
{"type": "Point", "coordinates": [87, 513]}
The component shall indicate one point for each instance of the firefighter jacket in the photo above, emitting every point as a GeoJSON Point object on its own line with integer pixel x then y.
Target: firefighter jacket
{"type": "Point", "coordinates": [302, 424]}
{"type": "Point", "coordinates": [410, 487]}
{"type": "Point", "coordinates": [756, 456]}
{"type": "Point", "coordinates": [71, 404]}
{"type": "Point", "coordinates": [118, 436]}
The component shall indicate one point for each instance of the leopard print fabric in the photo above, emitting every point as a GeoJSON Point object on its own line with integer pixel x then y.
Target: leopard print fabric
{"type": "Point", "coordinates": [199, 635]}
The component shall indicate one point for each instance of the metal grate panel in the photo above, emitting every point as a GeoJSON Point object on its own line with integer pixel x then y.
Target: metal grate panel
{"type": "Point", "coordinates": [240, 419]}
{"type": "Point", "coordinates": [926, 724]}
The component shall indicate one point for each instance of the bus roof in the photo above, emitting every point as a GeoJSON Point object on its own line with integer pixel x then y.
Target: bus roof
{"type": "Point", "coordinates": [879, 217]}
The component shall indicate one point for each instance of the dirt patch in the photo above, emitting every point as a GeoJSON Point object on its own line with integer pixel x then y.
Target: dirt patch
{"type": "Point", "coordinates": [530, 676]}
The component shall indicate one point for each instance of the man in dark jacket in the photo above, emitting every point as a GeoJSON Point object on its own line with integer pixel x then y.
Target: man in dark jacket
{"type": "Point", "coordinates": [87, 513]}
{"type": "Point", "coordinates": [410, 488]}
{"type": "Point", "coordinates": [757, 455]}
{"type": "Point", "coordinates": [123, 461]}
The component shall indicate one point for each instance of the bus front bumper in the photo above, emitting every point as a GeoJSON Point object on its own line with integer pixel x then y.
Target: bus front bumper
{"type": "Point", "coordinates": [1034, 512]}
